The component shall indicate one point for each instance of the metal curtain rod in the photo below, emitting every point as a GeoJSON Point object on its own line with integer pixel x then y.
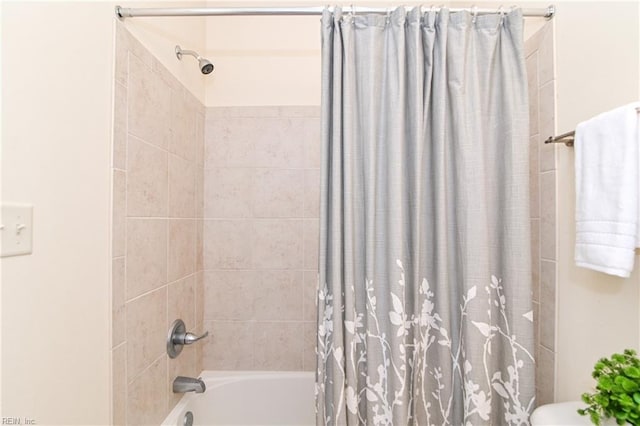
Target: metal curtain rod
{"type": "Point", "coordinates": [122, 12]}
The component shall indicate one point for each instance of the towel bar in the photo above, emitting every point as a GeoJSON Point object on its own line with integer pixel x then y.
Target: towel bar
{"type": "Point", "coordinates": [567, 138]}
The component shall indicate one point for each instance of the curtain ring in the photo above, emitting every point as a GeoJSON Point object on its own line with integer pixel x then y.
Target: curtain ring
{"type": "Point", "coordinates": [351, 15]}
{"type": "Point", "coordinates": [426, 18]}
{"type": "Point", "coordinates": [503, 13]}
{"type": "Point", "coordinates": [474, 13]}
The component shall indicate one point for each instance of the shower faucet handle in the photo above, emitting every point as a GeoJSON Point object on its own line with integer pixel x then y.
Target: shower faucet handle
{"type": "Point", "coordinates": [178, 336]}
{"type": "Point", "coordinates": [190, 338]}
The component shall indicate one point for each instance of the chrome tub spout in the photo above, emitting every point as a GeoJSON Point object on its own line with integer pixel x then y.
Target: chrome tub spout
{"type": "Point", "coordinates": [183, 384]}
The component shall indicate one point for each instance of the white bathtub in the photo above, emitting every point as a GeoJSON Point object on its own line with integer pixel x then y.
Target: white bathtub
{"type": "Point", "coordinates": [249, 399]}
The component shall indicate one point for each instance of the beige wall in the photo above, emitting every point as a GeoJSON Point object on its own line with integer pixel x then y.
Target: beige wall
{"type": "Point", "coordinates": [56, 136]}
{"type": "Point", "coordinates": [259, 62]}
{"type": "Point", "coordinates": [597, 54]}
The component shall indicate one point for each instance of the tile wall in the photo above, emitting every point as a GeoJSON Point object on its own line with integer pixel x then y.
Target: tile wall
{"type": "Point", "coordinates": [158, 156]}
{"type": "Point", "coordinates": [541, 77]}
{"type": "Point", "coordinates": [261, 209]}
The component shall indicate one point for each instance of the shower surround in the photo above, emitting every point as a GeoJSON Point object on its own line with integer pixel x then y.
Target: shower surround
{"type": "Point", "coordinates": [215, 219]}
{"type": "Point", "coordinates": [157, 227]}
{"type": "Point", "coordinates": [259, 194]}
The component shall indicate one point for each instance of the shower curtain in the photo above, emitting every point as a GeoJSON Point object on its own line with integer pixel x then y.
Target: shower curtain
{"type": "Point", "coordinates": [424, 301]}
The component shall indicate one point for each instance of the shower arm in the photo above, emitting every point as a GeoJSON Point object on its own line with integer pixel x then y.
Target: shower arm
{"type": "Point", "coordinates": [180, 52]}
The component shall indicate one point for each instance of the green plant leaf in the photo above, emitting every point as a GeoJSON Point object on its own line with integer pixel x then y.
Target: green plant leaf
{"type": "Point", "coordinates": [600, 399]}
{"type": "Point", "coordinates": [632, 372]}
{"type": "Point", "coordinates": [619, 358]}
{"type": "Point", "coordinates": [595, 418]}
{"type": "Point", "coordinates": [626, 400]}
{"type": "Point", "coordinates": [605, 383]}
{"type": "Point", "coordinates": [627, 384]}
{"type": "Point", "coordinates": [621, 415]}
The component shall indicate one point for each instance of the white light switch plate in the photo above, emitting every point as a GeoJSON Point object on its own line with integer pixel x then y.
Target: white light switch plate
{"type": "Point", "coordinates": [16, 227]}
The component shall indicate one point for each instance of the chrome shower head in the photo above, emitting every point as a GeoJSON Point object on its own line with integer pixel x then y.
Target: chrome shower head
{"type": "Point", "coordinates": [206, 67]}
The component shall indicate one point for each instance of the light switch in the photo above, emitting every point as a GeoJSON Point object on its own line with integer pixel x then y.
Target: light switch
{"type": "Point", "coordinates": [16, 227]}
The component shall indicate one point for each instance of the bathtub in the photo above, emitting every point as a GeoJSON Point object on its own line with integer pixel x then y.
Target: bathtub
{"type": "Point", "coordinates": [249, 399]}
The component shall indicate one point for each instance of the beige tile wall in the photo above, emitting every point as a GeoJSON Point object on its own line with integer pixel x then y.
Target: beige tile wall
{"type": "Point", "coordinates": [157, 277]}
{"type": "Point", "coordinates": [261, 209]}
{"type": "Point", "coordinates": [540, 66]}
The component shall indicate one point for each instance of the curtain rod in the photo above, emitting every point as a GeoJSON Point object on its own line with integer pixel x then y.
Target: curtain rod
{"type": "Point", "coordinates": [122, 12]}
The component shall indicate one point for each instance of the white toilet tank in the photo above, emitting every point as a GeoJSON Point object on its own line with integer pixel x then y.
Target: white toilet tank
{"type": "Point", "coordinates": [563, 414]}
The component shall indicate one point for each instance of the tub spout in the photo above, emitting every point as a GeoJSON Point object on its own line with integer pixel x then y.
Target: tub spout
{"type": "Point", "coordinates": [183, 384]}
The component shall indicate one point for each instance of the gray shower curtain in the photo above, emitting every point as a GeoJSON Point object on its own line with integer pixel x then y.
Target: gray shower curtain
{"type": "Point", "coordinates": [424, 298]}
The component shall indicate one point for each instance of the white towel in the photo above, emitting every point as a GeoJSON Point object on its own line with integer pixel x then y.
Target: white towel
{"type": "Point", "coordinates": [607, 166]}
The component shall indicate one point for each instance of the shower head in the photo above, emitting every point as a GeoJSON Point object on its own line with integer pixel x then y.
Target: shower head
{"type": "Point", "coordinates": [206, 67]}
